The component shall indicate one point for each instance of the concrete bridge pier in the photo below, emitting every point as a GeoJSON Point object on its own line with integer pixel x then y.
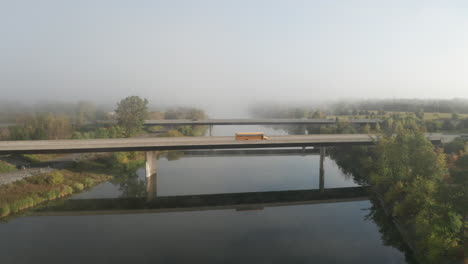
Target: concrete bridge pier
{"type": "Point", "coordinates": [322, 170]}
{"type": "Point", "coordinates": [151, 187]}
{"type": "Point", "coordinates": [211, 129]}
{"type": "Point", "coordinates": [151, 174]}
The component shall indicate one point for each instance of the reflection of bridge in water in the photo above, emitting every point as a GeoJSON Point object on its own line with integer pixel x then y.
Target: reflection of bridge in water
{"type": "Point", "coordinates": [153, 203]}
{"type": "Point", "coordinates": [152, 157]}
{"type": "Point", "coordinates": [185, 203]}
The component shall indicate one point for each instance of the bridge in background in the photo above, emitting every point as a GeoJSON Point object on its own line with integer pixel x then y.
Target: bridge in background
{"type": "Point", "coordinates": [262, 121]}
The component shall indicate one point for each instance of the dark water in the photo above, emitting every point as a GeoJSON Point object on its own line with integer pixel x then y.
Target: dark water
{"type": "Point", "coordinates": [311, 233]}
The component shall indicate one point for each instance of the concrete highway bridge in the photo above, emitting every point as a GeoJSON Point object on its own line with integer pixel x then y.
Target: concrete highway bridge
{"type": "Point", "coordinates": [258, 121]}
{"type": "Point", "coordinates": [152, 145]}
{"type": "Point", "coordinates": [183, 203]}
{"type": "Point", "coordinates": [183, 143]}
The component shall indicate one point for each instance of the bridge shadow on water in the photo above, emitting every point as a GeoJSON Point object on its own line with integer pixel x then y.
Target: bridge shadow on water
{"type": "Point", "coordinates": [237, 201]}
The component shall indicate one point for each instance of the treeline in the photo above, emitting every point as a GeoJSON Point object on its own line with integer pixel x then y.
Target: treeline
{"type": "Point", "coordinates": [363, 107]}
{"type": "Point", "coordinates": [84, 121]}
{"type": "Point", "coordinates": [403, 105]}
{"type": "Point", "coordinates": [424, 190]}
{"type": "Point", "coordinates": [453, 123]}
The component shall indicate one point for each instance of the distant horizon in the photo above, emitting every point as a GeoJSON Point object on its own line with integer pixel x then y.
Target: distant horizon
{"type": "Point", "coordinates": [224, 54]}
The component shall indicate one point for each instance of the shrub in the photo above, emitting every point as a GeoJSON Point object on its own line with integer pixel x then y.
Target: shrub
{"type": "Point", "coordinates": [455, 146]}
{"type": "Point", "coordinates": [37, 179]}
{"type": "Point", "coordinates": [38, 199]}
{"type": "Point", "coordinates": [52, 194]}
{"type": "Point", "coordinates": [21, 204]}
{"type": "Point", "coordinates": [174, 133]}
{"type": "Point", "coordinates": [78, 186]}
{"type": "Point", "coordinates": [55, 177]}
{"type": "Point", "coordinates": [66, 190]}
{"type": "Point", "coordinates": [4, 209]}
{"type": "Point", "coordinates": [88, 182]}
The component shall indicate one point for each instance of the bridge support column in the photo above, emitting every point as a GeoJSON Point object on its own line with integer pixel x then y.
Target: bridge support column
{"type": "Point", "coordinates": [211, 129]}
{"type": "Point", "coordinates": [322, 170]}
{"type": "Point", "coordinates": [151, 172]}
{"type": "Point", "coordinates": [151, 187]}
{"type": "Point", "coordinates": [151, 159]}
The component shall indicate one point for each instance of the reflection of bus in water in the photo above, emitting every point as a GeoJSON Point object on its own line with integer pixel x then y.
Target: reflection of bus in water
{"type": "Point", "coordinates": [251, 136]}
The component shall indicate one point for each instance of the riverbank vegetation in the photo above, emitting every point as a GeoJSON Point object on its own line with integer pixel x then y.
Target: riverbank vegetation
{"type": "Point", "coordinates": [29, 192]}
{"type": "Point", "coordinates": [119, 168]}
{"type": "Point", "coordinates": [424, 191]}
{"type": "Point", "coordinates": [6, 167]}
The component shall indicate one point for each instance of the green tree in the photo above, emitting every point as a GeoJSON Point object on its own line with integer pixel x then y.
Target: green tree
{"type": "Point", "coordinates": [131, 113]}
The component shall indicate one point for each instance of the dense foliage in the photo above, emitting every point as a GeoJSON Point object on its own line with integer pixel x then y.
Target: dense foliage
{"type": "Point", "coordinates": [423, 189]}
{"type": "Point", "coordinates": [131, 113]}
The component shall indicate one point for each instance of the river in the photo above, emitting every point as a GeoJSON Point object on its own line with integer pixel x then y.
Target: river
{"type": "Point", "coordinates": [310, 233]}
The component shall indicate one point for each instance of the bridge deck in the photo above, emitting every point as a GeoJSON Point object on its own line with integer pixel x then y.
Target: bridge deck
{"type": "Point", "coordinates": [269, 121]}
{"type": "Point", "coordinates": [176, 143]}
{"type": "Point", "coordinates": [179, 143]}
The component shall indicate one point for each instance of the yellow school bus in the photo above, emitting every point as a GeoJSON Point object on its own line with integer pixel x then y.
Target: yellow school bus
{"type": "Point", "coordinates": [251, 136]}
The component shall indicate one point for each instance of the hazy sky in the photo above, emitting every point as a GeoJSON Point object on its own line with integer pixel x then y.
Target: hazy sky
{"type": "Point", "coordinates": [215, 52]}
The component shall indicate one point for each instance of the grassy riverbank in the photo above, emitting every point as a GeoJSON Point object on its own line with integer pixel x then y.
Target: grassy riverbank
{"type": "Point", "coordinates": [27, 193]}
{"type": "Point", "coordinates": [6, 167]}
{"type": "Point", "coordinates": [36, 190]}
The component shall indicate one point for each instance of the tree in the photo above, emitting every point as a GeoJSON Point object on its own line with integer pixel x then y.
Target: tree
{"type": "Point", "coordinates": [131, 113]}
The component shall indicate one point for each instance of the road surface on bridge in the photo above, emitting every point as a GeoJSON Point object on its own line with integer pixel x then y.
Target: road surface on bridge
{"type": "Point", "coordinates": [269, 121]}
{"type": "Point", "coordinates": [173, 143]}
{"type": "Point", "coordinates": [179, 143]}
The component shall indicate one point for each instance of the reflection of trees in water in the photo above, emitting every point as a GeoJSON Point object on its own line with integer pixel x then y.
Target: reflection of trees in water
{"type": "Point", "coordinates": [389, 233]}
{"type": "Point", "coordinates": [359, 162]}
{"type": "Point", "coordinates": [130, 184]}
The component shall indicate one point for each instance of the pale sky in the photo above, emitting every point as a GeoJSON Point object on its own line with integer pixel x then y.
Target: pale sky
{"type": "Point", "coordinates": [218, 52]}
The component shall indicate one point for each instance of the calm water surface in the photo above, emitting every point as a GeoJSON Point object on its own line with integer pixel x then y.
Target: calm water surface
{"type": "Point", "coordinates": [319, 233]}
